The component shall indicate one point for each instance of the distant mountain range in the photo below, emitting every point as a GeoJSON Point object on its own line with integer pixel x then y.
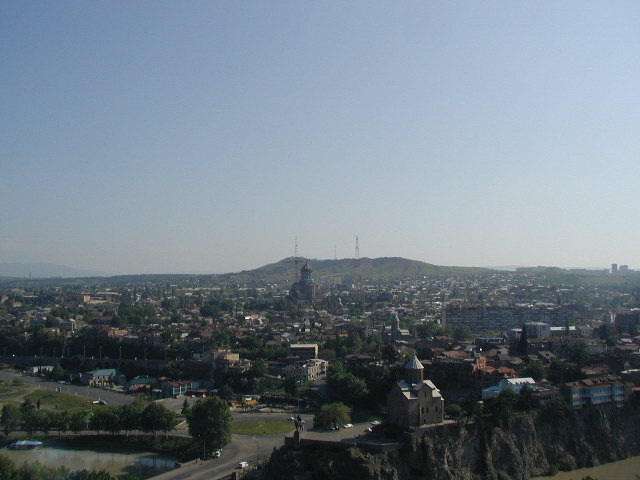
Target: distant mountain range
{"type": "Point", "coordinates": [45, 270]}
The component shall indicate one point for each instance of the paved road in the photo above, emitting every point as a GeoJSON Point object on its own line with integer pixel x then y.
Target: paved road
{"type": "Point", "coordinates": [250, 448]}
{"type": "Point", "coordinates": [91, 393]}
{"type": "Point", "coordinates": [242, 447]}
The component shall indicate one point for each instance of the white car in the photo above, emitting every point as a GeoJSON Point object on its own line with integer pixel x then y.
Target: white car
{"type": "Point", "coordinates": [376, 422]}
{"type": "Point", "coordinates": [347, 425]}
{"type": "Point", "coordinates": [243, 465]}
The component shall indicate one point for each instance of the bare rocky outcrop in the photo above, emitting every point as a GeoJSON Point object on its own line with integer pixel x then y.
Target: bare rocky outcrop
{"type": "Point", "coordinates": [530, 445]}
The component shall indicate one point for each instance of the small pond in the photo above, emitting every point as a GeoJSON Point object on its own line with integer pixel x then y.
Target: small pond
{"type": "Point", "coordinates": [142, 464]}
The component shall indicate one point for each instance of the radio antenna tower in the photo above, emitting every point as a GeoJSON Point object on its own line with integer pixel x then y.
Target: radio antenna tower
{"type": "Point", "coordinates": [296, 261]}
{"type": "Point", "coordinates": [357, 255]}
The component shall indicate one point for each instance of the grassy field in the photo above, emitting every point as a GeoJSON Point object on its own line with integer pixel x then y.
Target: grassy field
{"type": "Point", "coordinates": [57, 401]}
{"type": "Point", "coordinates": [262, 427]}
{"type": "Point", "coordinates": [17, 394]}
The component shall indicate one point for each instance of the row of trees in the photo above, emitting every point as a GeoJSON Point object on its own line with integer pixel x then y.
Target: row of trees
{"type": "Point", "coordinates": [151, 418]}
{"type": "Point", "coordinates": [498, 411]}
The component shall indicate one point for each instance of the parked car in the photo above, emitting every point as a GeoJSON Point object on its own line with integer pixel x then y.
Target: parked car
{"type": "Point", "coordinates": [217, 453]}
{"type": "Point", "coordinates": [243, 465]}
{"type": "Point", "coordinates": [376, 422]}
{"type": "Point", "coordinates": [347, 425]}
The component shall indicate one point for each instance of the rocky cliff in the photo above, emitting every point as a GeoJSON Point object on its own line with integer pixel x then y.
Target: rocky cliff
{"type": "Point", "coordinates": [527, 445]}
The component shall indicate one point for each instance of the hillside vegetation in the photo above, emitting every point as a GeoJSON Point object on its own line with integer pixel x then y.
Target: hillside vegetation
{"type": "Point", "coordinates": [284, 271]}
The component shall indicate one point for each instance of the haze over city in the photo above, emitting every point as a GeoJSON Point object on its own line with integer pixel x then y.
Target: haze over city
{"type": "Point", "coordinates": [156, 137]}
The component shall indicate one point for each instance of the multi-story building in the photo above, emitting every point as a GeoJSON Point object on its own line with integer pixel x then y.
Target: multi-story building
{"type": "Point", "coordinates": [537, 330]}
{"type": "Point", "coordinates": [304, 351]}
{"type": "Point", "coordinates": [504, 318]}
{"type": "Point", "coordinates": [594, 391]}
{"type": "Point", "coordinates": [306, 370]}
{"type": "Point", "coordinates": [628, 321]}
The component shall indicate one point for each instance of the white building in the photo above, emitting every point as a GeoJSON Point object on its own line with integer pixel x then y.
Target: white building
{"type": "Point", "coordinates": [514, 384]}
{"type": "Point", "coordinates": [538, 330]}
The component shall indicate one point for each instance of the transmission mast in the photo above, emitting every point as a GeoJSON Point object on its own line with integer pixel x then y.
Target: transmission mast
{"type": "Point", "coordinates": [296, 261]}
{"type": "Point", "coordinates": [357, 253]}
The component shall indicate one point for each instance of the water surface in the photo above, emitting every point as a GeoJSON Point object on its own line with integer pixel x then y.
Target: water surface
{"type": "Point", "coordinates": [116, 463]}
{"type": "Point", "coordinates": [627, 469]}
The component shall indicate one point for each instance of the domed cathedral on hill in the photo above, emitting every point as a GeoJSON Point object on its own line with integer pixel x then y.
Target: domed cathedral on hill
{"type": "Point", "coordinates": [305, 290]}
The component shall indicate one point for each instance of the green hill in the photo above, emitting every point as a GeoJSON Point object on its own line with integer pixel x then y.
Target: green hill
{"type": "Point", "coordinates": [284, 271]}
{"type": "Point", "coordinates": [385, 268]}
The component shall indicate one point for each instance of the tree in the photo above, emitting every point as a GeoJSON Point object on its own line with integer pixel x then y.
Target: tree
{"type": "Point", "coordinates": [523, 343]}
{"type": "Point", "coordinates": [453, 410]}
{"type": "Point", "coordinates": [78, 421]}
{"type": "Point", "coordinates": [97, 421]}
{"type": "Point", "coordinates": [29, 421]}
{"type": "Point", "coordinates": [129, 415]}
{"type": "Point", "coordinates": [7, 468]}
{"type": "Point", "coordinates": [526, 400]}
{"type": "Point", "coordinates": [210, 422]}
{"type": "Point", "coordinates": [226, 393]}
{"type": "Point", "coordinates": [461, 332]}
{"type": "Point", "coordinates": [157, 417]}
{"type": "Point", "coordinates": [535, 371]}
{"type": "Point", "coordinates": [580, 354]}
{"type": "Point", "coordinates": [11, 418]}
{"type": "Point", "coordinates": [61, 422]}
{"type": "Point", "coordinates": [26, 406]}
{"type": "Point", "coordinates": [345, 385]}
{"type": "Point", "coordinates": [501, 407]}
{"type": "Point", "coordinates": [38, 420]}
{"type": "Point", "coordinates": [58, 373]}
{"type": "Point", "coordinates": [291, 386]}
{"type": "Point", "coordinates": [185, 407]}
{"type": "Point", "coordinates": [332, 414]}
{"type": "Point", "coordinates": [258, 369]}
{"type": "Point", "coordinates": [111, 419]}
{"type": "Point", "coordinates": [90, 475]}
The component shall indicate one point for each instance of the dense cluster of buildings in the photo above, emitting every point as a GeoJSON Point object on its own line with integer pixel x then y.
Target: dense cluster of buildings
{"type": "Point", "coordinates": [455, 337]}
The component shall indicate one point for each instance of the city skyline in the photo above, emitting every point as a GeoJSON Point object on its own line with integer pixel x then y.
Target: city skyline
{"type": "Point", "coordinates": [159, 137]}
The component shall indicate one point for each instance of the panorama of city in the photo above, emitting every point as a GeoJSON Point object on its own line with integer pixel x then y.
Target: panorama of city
{"type": "Point", "coordinates": [295, 371]}
{"type": "Point", "coordinates": [319, 240]}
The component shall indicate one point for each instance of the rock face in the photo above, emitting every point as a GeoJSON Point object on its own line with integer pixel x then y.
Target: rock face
{"type": "Point", "coordinates": [530, 445]}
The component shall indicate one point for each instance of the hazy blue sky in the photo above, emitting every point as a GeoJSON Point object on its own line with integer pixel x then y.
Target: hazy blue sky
{"type": "Point", "coordinates": [184, 136]}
